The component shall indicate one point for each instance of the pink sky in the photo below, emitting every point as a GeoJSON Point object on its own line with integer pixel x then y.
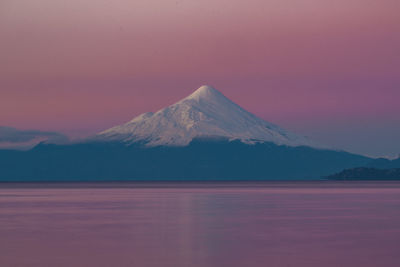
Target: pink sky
{"type": "Point", "coordinates": [327, 69]}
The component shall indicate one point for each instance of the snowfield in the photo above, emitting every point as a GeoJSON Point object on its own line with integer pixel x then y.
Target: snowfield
{"type": "Point", "coordinates": [204, 113]}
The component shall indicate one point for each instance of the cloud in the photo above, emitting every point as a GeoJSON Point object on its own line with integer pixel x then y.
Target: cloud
{"type": "Point", "coordinates": [14, 136]}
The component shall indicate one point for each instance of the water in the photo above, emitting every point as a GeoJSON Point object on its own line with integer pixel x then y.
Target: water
{"type": "Point", "coordinates": [254, 224]}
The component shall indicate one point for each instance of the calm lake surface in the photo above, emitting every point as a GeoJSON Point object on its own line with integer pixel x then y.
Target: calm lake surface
{"type": "Point", "coordinates": [201, 224]}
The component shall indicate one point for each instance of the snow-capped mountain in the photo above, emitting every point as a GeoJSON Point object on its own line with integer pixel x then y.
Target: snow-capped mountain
{"type": "Point", "coordinates": [204, 113]}
{"type": "Point", "coordinates": [261, 150]}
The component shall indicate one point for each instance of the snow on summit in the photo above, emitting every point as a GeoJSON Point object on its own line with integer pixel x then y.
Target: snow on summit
{"type": "Point", "coordinates": [204, 113]}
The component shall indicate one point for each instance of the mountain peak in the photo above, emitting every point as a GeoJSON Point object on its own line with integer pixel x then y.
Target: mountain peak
{"type": "Point", "coordinates": [204, 113]}
{"type": "Point", "coordinates": [205, 92]}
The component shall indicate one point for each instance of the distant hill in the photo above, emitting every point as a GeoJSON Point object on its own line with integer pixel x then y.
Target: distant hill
{"type": "Point", "coordinates": [367, 174]}
{"type": "Point", "coordinates": [200, 160]}
{"type": "Point", "coordinates": [382, 163]}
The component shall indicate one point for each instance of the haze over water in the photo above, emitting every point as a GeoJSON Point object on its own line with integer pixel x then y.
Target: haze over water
{"type": "Point", "coordinates": [208, 224]}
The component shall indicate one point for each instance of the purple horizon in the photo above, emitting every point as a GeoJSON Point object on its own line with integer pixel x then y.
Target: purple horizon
{"type": "Point", "coordinates": [329, 70]}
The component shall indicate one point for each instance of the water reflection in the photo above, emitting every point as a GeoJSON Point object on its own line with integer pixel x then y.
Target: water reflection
{"type": "Point", "coordinates": [209, 225]}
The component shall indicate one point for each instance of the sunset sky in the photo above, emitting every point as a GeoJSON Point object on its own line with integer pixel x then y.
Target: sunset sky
{"type": "Point", "coordinates": [326, 69]}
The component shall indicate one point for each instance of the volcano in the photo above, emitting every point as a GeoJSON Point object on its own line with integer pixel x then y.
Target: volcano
{"type": "Point", "coordinates": [203, 137]}
{"type": "Point", "coordinates": [206, 113]}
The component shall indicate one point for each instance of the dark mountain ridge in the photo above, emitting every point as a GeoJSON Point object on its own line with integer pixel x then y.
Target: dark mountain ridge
{"type": "Point", "coordinates": [202, 159]}
{"type": "Point", "coordinates": [364, 173]}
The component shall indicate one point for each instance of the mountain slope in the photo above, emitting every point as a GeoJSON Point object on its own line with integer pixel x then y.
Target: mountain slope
{"type": "Point", "coordinates": [200, 160]}
{"type": "Point", "coordinates": [382, 163]}
{"type": "Point", "coordinates": [205, 113]}
{"type": "Point", "coordinates": [178, 147]}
